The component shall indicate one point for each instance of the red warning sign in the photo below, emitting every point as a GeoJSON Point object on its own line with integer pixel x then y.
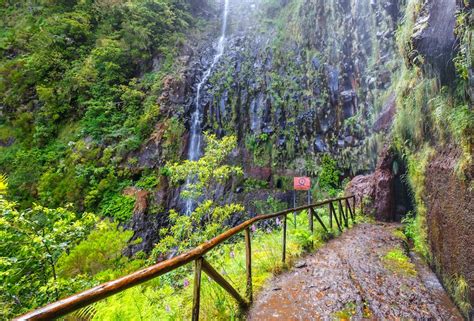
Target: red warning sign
{"type": "Point", "coordinates": [302, 183]}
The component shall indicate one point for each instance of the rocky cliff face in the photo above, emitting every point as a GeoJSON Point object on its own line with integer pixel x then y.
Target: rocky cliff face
{"type": "Point", "coordinates": [298, 79]}
{"type": "Point", "coordinates": [305, 76]}
{"type": "Point", "coordinates": [307, 81]}
{"type": "Point", "coordinates": [450, 216]}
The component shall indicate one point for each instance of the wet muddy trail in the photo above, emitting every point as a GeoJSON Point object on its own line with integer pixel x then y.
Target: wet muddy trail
{"type": "Point", "coordinates": [357, 276]}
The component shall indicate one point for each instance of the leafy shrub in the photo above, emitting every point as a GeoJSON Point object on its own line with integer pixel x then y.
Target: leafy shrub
{"type": "Point", "coordinates": [148, 182]}
{"type": "Point", "coordinates": [271, 205]}
{"type": "Point", "coordinates": [209, 218]}
{"type": "Point", "coordinates": [102, 250]}
{"type": "Point", "coordinates": [329, 175]}
{"type": "Point", "coordinates": [253, 184]}
{"type": "Point", "coordinates": [32, 242]}
{"type": "Point", "coordinates": [119, 207]}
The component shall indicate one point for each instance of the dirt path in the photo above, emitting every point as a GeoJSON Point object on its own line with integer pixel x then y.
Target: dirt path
{"type": "Point", "coordinates": [352, 278]}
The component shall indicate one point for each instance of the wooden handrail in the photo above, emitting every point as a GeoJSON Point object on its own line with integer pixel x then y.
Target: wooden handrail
{"type": "Point", "coordinates": [85, 298]}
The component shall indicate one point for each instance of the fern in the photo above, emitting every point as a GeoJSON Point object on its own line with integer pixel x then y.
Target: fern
{"type": "Point", "coordinates": [85, 314]}
{"type": "Point", "coordinates": [3, 184]}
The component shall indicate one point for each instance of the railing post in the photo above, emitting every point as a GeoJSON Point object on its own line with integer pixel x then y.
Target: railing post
{"type": "Point", "coordinates": [248, 263]}
{"type": "Point", "coordinates": [284, 239]}
{"type": "Point", "coordinates": [345, 211]}
{"type": "Point", "coordinates": [330, 216]}
{"type": "Point", "coordinates": [338, 222]}
{"type": "Point", "coordinates": [354, 208]}
{"type": "Point", "coordinates": [342, 213]}
{"type": "Point", "coordinates": [311, 224]}
{"type": "Point", "coordinates": [349, 209]}
{"type": "Point", "coordinates": [219, 279]}
{"type": "Point", "coordinates": [313, 212]}
{"type": "Point", "coordinates": [341, 217]}
{"type": "Point", "coordinates": [354, 205]}
{"type": "Point", "coordinates": [197, 288]}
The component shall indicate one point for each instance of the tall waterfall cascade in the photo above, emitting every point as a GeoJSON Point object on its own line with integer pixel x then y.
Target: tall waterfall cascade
{"type": "Point", "coordinates": [195, 142]}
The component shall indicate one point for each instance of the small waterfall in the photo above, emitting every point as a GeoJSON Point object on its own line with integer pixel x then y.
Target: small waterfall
{"type": "Point", "coordinates": [196, 118]}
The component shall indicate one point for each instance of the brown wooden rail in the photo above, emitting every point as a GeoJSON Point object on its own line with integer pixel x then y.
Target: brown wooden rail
{"type": "Point", "coordinates": [80, 300]}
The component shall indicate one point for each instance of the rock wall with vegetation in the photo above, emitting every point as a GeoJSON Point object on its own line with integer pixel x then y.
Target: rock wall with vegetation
{"type": "Point", "coordinates": [433, 132]}
{"type": "Point", "coordinates": [307, 80]}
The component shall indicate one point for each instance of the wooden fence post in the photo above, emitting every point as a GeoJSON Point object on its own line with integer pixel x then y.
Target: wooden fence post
{"type": "Point", "coordinates": [219, 279]}
{"type": "Point", "coordinates": [342, 214]}
{"type": "Point", "coordinates": [197, 288]}
{"type": "Point", "coordinates": [330, 217]}
{"type": "Point", "coordinates": [331, 207]}
{"type": "Point", "coordinates": [311, 224]}
{"type": "Point", "coordinates": [248, 263]}
{"type": "Point", "coordinates": [313, 212]}
{"type": "Point", "coordinates": [284, 239]}
{"type": "Point", "coordinates": [352, 208]}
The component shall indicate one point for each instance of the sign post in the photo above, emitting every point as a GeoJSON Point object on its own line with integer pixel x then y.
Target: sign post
{"type": "Point", "coordinates": [301, 184]}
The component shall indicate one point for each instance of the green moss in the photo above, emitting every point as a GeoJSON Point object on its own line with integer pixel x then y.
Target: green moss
{"type": "Point", "coordinates": [427, 117]}
{"type": "Point", "coordinates": [427, 113]}
{"type": "Point", "coordinates": [397, 261]}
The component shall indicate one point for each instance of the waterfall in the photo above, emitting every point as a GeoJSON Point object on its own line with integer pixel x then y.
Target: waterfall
{"type": "Point", "coordinates": [194, 152]}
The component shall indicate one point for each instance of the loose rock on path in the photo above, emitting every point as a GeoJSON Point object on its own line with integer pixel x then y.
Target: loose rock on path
{"type": "Point", "coordinates": [350, 278]}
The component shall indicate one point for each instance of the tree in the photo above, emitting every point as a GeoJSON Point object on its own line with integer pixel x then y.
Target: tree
{"type": "Point", "coordinates": [209, 170]}
{"type": "Point", "coordinates": [208, 219]}
{"type": "Point", "coordinates": [32, 242]}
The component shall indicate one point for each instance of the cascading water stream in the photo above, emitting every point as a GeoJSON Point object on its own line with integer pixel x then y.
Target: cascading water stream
{"type": "Point", "coordinates": [196, 118]}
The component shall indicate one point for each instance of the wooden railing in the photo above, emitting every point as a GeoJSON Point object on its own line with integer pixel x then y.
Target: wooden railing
{"type": "Point", "coordinates": [61, 308]}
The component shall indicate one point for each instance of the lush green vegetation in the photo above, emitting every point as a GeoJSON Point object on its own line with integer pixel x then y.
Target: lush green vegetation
{"type": "Point", "coordinates": [78, 93]}
{"type": "Point", "coordinates": [81, 85]}
{"type": "Point", "coordinates": [79, 88]}
{"type": "Point", "coordinates": [32, 243]}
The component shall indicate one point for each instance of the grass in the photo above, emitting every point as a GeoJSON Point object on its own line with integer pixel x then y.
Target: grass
{"type": "Point", "coordinates": [459, 291]}
{"type": "Point", "coordinates": [170, 296]}
{"type": "Point", "coordinates": [400, 234]}
{"type": "Point", "coordinates": [397, 261]}
{"type": "Point", "coordinates": [415, 223]}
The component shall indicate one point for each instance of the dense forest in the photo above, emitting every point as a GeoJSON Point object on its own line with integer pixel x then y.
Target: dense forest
{"type": "Point", "coordinates": [134, 130]}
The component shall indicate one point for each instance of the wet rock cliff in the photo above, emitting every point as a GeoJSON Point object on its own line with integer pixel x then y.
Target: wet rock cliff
{"type": "Point", "coordinates": [297, 79]}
